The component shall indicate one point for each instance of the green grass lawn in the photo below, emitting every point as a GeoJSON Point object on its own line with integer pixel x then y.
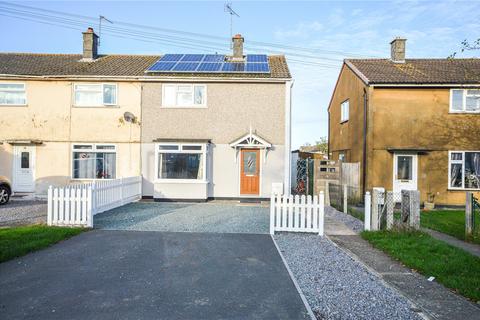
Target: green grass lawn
{"type": "Point", "coordinates": [356, 213]}
{"type": "Point", "coordinates": [18, 241]}
{"type": "Point", "coordinates": [454, 268]}
{"type": "Point", "coordinates": [451, 222]}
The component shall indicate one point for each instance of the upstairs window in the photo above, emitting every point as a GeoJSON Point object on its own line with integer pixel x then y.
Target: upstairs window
{"type": "Point", "coordinates": [184, 95]}
{"type": "Point", "coordinates": [95, 95]}
{"type": "Point", "coordinates": [344, 111]}
{"type": "Point", "coordinates": [13, 94]}
{"type": "Point", "coordinates": [465, 100]}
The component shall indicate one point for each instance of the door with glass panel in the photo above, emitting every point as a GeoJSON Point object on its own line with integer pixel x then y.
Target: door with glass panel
{"type": "Point", "coordinates": [250, 172]}
{"type": "Point", "coordinates": [404, 174]}
{"type": "Point", "coordinates": [24, 168]}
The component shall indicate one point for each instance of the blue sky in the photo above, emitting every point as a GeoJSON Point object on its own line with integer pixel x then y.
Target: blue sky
{"type": "Point", "coordinates": [322, 32]}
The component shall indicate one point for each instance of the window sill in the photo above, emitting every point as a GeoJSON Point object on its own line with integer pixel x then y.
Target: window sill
{"type": "Point", "coordinates": [13, 105]}
{"type": "Point", "coordinates": [462, 189]}
{"type": "Point", "coordinates": [464, 112]}
{"type": "Point", "coordinates": [184, 107]}
{"type": "Point", "coordinates": [97, 107]}
{"type": "Point", "coordinates": [92, 179]}
{"type": "Point", "coordinates": [344, 121]}
{"type": "Point", "coordinates": [181, 181]}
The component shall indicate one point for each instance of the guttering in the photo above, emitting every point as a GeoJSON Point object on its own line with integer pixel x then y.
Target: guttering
{"type": "Point", "coordinates": [288, 137]}
{"type": "Point", "coordinates": [365, 127]}
{"type": "Point", "coordinates": [147, 78]}
{"type": "Point", "coordinates": [426, 85]}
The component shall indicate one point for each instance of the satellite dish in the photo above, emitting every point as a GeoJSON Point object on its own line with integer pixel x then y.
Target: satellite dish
{"type": "Point", "coordinates": [129, 117]}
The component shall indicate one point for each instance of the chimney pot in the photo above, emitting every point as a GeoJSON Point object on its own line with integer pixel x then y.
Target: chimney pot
{"type": "Point", "coordinates": [237, 41]}
{"type": "Point", "coordinates": [90, 45]}
{"type": "Point", "coordinates": [397, 49]}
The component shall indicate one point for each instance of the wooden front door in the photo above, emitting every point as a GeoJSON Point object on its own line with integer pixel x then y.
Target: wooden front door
{"type": "Point", "coordinates": [250, 172]}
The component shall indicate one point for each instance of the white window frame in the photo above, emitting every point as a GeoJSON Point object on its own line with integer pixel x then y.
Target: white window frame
{"type": "Point", "coordinates": [462, 162]}
{"type": "Point", "coordinates": [203, 152]}
{"type": "Point", "coordinates": [345, 116]}
{"type": "Point", "coordinates": [93, 149]}
{"type": "Point", "coordinates": [464, 101]}
{"type": "Point", "coordinates": [15, 90]}
{"type": "Point", "coordinates": [192, 85]}
{"type": "Point", "coordinates": [95, 84]}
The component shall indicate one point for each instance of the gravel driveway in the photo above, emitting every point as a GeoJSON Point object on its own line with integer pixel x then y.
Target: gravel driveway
{"type": "Point", "coordinates": [23, 212]}
{"type": "Point", "coordinates": [335, 285]}
{"type": "Point", "coordinates": [219, 217]}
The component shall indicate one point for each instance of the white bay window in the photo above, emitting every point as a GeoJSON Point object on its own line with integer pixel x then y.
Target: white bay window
{"type": "Point", "coordinates": [94, 161]}
{"type": "Point", "coordinates": [180, 162]}
{"type": "Point", "coordinates": [465, 101]}
{"type": "Point", "coordinates": [13, 94]}
{"type": "Point", "coordinates": [464, 170]}
{"type": "Point", "coordinates": [95, 95]}
{"type": "Point", "coordinates": [184, 95]}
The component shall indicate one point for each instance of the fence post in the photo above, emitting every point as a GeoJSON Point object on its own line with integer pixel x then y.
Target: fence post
{"type": "Point", "coordinates": [375, 212]}
{"type": "Point", "coordinates": [469, 215]}
{"type": "Point", "coordinates": [389, 205]}
{"type": "Point", "coordinates": [345, 198]}
{"type": "Point", "coordinates": [90, 206]}
{"type": "Point", "coordinates": [321, 218]}
{"type": "Point", "coordinates": [327, 193]}
{"type": "Point", "coordinates": [49, 206]}
{"type": "Point", "coordinates": [368, 208]}
{"type": "Point", "coordinates": [272, 214]}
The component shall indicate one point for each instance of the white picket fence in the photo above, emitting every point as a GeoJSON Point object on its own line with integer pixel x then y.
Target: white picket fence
{"type": "Point", "coordinates": [75, 205]}
{"type": "Point", "coordinates": [297, 213]}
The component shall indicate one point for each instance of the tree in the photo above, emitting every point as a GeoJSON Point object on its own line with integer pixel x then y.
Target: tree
{"type": "Point", "coordinates": [320, 145]}
{"type": "Point", "coordinates": [467, 46]}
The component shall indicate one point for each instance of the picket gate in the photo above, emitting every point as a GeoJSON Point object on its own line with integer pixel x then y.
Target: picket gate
{"type": "Point", "coordinates": [297, 213]}
{"type": "Point", "coordinates": [76, 204]}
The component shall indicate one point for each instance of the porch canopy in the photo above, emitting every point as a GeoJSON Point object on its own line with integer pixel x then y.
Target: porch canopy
{"type": "Point", "coordinates": [251, 140]}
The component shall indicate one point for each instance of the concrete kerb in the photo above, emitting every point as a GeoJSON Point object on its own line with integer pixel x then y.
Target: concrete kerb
{"type": "Point", "coordinates": [354, 257]}
{"type": "Point", "coordinates": [302, 296]}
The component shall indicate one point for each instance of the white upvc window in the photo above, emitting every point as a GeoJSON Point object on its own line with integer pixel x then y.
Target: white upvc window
{"type": "Point", "coordinates": [464, 170]}
{"type": "Point", "coordinates": [13, 94]}
{"type": "Point", "coordinates": [95, 94]}
{"type": "Point", "coordinates": [180, 162]}
{"type": "Point", "coordinates": [465, 100]}
{"type": "Point", "coordinates": [184, 95]}
{"type": "Point", "coordinates": [344, 111]}
{"type": "Point", "coordinates": [94, 161]}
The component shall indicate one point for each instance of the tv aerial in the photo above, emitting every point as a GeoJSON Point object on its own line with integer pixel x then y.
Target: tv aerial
{"type": "Point", "coordinates": [228, 9]}
{"type": "Point", "coordinates": [100, 19]}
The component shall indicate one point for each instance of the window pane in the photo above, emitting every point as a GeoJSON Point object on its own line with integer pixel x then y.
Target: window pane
{"type": "Point", "coordinates": [109, 94]}
{"type": "Point", "coordinates": [472, 170]}
{"type": "Point", "coordinates": [91, 165]}
{"type": "Point", "coordinates": [472, 103]}
{"type": "Point", "coordinates": [79, 146]}
{"type": "Point", "coordinates": [13, 97]}
{"type": "Point", "coordinates": [25, 160]}
{"type": "Point", "coordinates": [457, 100]}
{"type": "Point", "coordinates": [404, 168]}
{"type": "Point", "coordinates": [12, 86]}
{"type": "Point", "coordinates": [184, 98]}
{"type": "Point", "coordinates": [192, 148]}
{"type": "Point", "coordinates": [250, 163]}
{"type": "Point", "coordinates": [167, 147]}
{"type": "Point", "coordinates": [180, 166]}
{"type": "Point", "coordinates": [169, 93]}
{"type": "Point", "coordinates": [199, 94]}
{"type": "Point", "coordinates": [344, 110]}
{"type": "Point", "coordinates": [105, 165]}
{"type": "Point", "coordinates": [456, 156]}
{"type": "Point", "coordinates": [456, 175]}
{"type": "Point", "coordinates": [103, 147]}
{"type": "Point", "coordinates": [88, 98]}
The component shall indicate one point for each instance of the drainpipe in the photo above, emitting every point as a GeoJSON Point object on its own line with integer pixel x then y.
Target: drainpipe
{"type": "Point", "coordinates": [288, 138]}
{"type": "Point", "coordinates": [365, 113]}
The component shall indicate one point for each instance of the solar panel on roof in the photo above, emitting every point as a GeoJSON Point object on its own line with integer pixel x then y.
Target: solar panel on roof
{"type": "Point", "coordinates": [233, 66]}
{"type": "Point", "coordinates": [214, 58]}
{"type": "Point", "coordinates": [257, 58]}
{"type": "Point", "coordinates": [186, 66]}
{"type": "Point", "coordinates": [257, 67]}
{"type": "Point", "coordinates": [171, 57]}
{"type": "Point", "coordinates": [192, 57]}
{"type": "Point", "coordinates": [209, 67]}
{"type": "Point", "coordinates": [162, 66]}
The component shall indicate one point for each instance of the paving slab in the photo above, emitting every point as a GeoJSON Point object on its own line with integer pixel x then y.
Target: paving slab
{"type": "Point", "coordinates": [151, 275]}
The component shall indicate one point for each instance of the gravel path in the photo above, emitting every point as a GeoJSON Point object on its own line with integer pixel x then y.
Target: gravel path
{"type": "Point", "coordinates": [350, 221]}
{"type": "Point", "coordinates": [335, 285]}
{"type": "Point", "coordinates": [186, 217]}
{"type": "Point", "coordinates": [22, 212]}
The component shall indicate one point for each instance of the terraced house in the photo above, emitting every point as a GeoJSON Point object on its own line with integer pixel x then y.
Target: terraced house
{"type": "Point", "coordinates": [411, 123]}
{"type": "Point", "coordinates": [194, 126]}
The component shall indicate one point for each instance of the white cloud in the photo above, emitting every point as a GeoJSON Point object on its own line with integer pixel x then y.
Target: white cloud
{"type": "Point", "coordinates": [301, 30]}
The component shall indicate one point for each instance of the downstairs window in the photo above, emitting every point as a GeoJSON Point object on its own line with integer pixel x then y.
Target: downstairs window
{"type": "Point", "coordinates": [94, 161]}
{"type": "Point", "coordinates": [181, 161]}
{"type": "Point", "coordinates": [464, 169]}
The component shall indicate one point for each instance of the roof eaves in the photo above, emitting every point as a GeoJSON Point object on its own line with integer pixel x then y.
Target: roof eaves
{"type": "Point", "coordinates": [357, 71]}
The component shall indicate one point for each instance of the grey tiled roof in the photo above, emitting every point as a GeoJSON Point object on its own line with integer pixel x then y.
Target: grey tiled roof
{"type": "Point", "coordinates": [419, 71]}
{"type": "Point", "coordinates": [33, 64]}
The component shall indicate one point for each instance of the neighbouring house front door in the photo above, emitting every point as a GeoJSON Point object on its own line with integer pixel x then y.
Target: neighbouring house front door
{"type": "Point", "coordinates": [404, 174]}
{"type": "Point", "coordinates": [23, 169]}
{"type": "Point", "coordinates": [250, 172]}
